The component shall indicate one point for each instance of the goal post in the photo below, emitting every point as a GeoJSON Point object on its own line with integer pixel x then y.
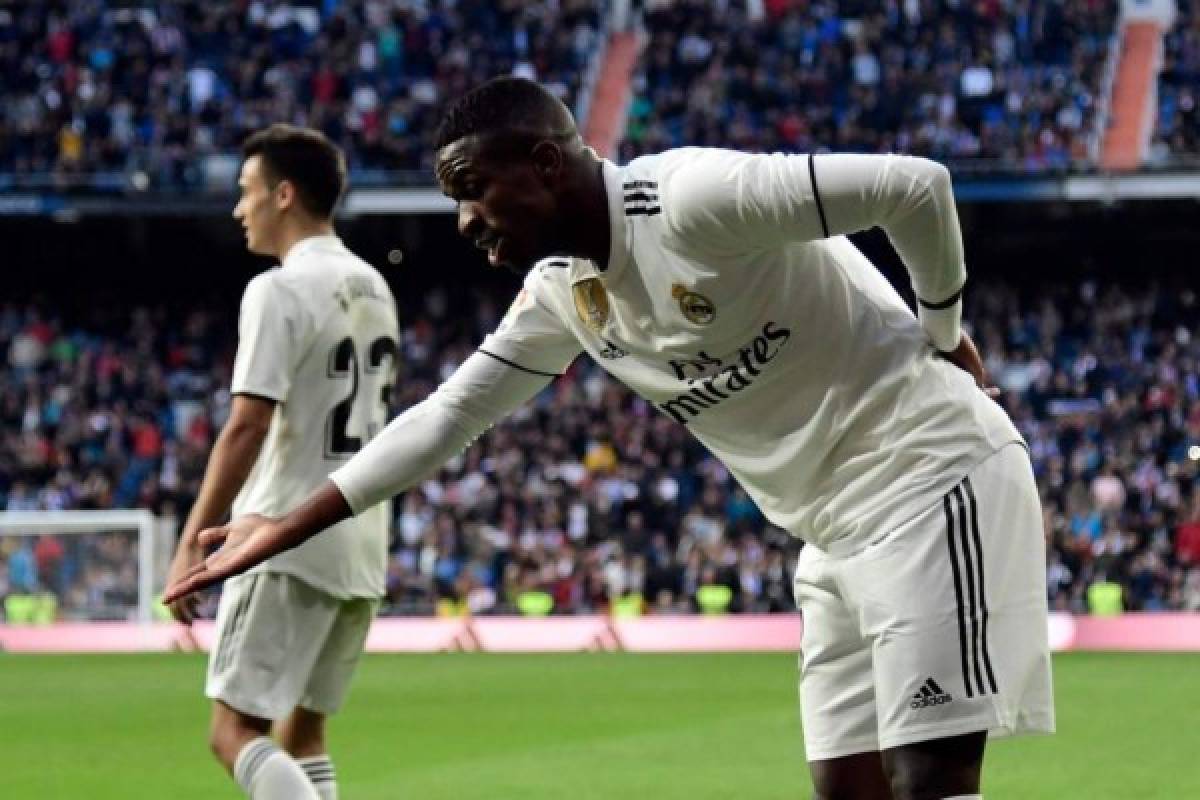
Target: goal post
{"type": "Point", "coordinates": [146, 525]}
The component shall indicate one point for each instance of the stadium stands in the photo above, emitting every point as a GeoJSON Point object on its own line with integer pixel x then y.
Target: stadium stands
{"type": "Point", "coordinates": [990, 85]}
{"type": "Point", "coordinates": [586, 495]}
{"type": "Point", "coordinates": [1178, 130]}
{"type": "Point", "coordinates": [98, 94]}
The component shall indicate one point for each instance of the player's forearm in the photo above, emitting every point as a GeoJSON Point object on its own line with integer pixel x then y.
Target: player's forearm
{"type": "Point", "coordinates": [423, 438]}
{"type": "Point", "coordinates": [232, 458]}
{"type": "Point", "coordinates": [416, 444]}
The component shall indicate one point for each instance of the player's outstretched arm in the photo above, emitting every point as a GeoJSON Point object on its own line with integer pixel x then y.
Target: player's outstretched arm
{"type": "Point", "coordinates": [412, 446]}
{"type": "Point", "coordinates": [252, 539]}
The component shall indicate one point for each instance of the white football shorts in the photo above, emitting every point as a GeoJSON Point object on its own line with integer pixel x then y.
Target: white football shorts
{"type": "Point", "coordinates": [936, 630]}
{"type": "Point", "coordinates": [280, 644]}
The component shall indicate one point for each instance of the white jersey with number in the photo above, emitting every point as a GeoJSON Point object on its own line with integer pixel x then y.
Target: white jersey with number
{"type": "Point", "coordinates": [733, 304]}
{"type": "Point", "coordinates": [318, 336]}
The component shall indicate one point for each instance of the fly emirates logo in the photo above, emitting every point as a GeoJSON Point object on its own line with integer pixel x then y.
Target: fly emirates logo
{"type": "Point", "coordinates": [712, 381]}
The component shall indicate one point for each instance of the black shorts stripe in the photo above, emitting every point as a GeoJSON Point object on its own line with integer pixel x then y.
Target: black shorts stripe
{"type": "Point", "coordinates": [812, 176]}
{"type": "Point", "coordinates": [958, 595]}
{"type": "Point", "coordinates": [949, 301]}
{"type": "Point", "coordinates": [518, 366]}
{"type": "Point", "coordinates": [650, 211]}
{"type": "Point", "coordinates": [969, 568]}
{"type": "Point", "coordinates": [987, 661]}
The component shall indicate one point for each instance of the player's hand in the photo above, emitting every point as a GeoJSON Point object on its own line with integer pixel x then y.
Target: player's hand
{"type": "Point", "coordinates": [966, 357]}
{"type": "Point", "coordinates": [245, 542]}
{"type": "Point", "coordinates": [189, 554]}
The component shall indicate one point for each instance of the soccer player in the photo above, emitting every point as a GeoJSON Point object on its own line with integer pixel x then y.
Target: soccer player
{"type": "Point", "coordinates": [316, 359]}
{"type": "Point", "coordinates": [720, 286]}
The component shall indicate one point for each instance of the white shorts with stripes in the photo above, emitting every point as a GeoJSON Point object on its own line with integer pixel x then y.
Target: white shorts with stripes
{"type": "Point", "coordinates": [936, 630]}
{"type": "Point", "coordinates": [281, 643]}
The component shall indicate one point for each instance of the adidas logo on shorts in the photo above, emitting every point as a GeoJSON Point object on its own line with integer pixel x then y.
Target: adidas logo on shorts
{"type": "Point", "coordinates": [930, 695]}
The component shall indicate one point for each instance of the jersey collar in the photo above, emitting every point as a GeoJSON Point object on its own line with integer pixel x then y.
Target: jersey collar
{"type": "Point", "coordinates": [618, 246]}
{"type": "Point", "coordinates": [308, 245]}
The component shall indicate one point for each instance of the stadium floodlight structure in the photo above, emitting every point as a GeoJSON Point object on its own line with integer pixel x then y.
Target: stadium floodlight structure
{"type": "Point", "coordinates": [19, 523]}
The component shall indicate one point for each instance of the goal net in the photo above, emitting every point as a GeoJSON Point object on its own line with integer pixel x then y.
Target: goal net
{"type": "Point", "coordinates": [82, 565]}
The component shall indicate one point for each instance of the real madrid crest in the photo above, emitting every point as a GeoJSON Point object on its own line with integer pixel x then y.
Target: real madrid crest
{"type": "Point", "coordinates": [695, 306]}
{"type": "Point", "coordinates": [591, 302]}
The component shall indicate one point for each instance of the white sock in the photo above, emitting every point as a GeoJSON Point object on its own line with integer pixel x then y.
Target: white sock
{"type": "Point", "coordinates": [268, 773]}
{"type": "Point", "coordinates": [320, 772]}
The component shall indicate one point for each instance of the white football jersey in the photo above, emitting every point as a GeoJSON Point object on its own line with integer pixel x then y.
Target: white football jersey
{"type": "Point", "coordinates": [787, 354]}
{"type": "Point", "coordinates": [731, 302]}
{"type": "Point", "coordinates": [319, 336]}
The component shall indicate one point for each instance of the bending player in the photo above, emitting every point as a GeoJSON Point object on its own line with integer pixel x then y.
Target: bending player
{"type": "Point", "coordinates": [720, 287]}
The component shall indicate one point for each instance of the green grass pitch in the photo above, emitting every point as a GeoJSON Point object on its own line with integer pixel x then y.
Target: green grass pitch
{"type": "Point", "coordinates": [565, 726]}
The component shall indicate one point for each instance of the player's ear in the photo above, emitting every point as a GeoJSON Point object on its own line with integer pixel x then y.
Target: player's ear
{"type": "Point", "coordinates": [285, 195]}
{"type": "Point", "coordinates": [547, 160]}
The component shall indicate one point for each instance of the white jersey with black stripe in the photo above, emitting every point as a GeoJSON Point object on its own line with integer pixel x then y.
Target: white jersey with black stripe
{"type": "Point", "coordinates": [733, 303]}
{"type": "Point", "coordinates": [319, 336]}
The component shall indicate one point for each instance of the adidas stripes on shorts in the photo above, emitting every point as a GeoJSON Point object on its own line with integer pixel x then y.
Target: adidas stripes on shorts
{"type": "Point", "coordinates": [936, 630]}
{"type": "Point", "coordinates": [281, 643]}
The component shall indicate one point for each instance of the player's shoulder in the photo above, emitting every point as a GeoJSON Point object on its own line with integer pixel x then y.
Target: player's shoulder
{"type": "Point", "coordinates": [262, 288]}
{"type": "Point", "coordinates": [551, 273]}
{"type": "Point", "coordinates": [681, 187]}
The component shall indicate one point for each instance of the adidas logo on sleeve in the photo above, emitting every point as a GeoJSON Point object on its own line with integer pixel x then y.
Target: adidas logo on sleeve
{"type": "Point", "coordinates": [930, 695]}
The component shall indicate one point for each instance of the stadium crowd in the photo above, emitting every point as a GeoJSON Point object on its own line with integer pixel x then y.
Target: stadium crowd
{"type": "Point", "coordinates": [99, 92]}
{"type": "Point", "coordinates": [167, 91]}
{"type": "Point", "coordinates": [1178, 130]}
{"type": "Point", "coordinates": [1001, 82]}
{"type": "Point", "coordinates": [588, 499]}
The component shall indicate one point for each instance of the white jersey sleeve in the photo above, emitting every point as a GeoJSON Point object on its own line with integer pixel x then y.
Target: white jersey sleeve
{"type": "Point", "coordinates": [528, 349]}
{"type": "Point", "coordinates": [727, 201]}
{"type": "Point", "coordinates": [269, 338]}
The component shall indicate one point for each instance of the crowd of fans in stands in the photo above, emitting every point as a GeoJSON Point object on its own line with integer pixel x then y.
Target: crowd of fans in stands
{"type": "Point", "coordinates": [589, 496]}
{"type": "Point", "coordinates": [1179, 86]}
{"type": "Point", "coordinates": [1013, 83]}
{"type": "Point", "coordinates": [113, 95]}
{"type": "Point", "coordinates": [167, 91]}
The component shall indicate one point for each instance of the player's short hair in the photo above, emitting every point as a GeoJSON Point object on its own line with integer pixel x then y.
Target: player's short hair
{"type": "Point", "coordinates": [304, 157]}
{"type": "Point", "coordinates": [505, 105]}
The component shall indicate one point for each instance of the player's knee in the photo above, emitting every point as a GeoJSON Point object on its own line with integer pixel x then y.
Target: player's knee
{"type": "Point", "coordinates": [229, 732]}
{"type": "Point", "coordinates": [936, 769]}
{"type": "Point", "coordinates": [921, 779]}
{"type": "Point", "coordinates": [837, 780]}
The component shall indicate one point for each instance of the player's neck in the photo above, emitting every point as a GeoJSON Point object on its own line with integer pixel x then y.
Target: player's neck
{"type": "Point", "coordinates": [589, 229]}
{"type": "Point", "coordinates": [296, 231]}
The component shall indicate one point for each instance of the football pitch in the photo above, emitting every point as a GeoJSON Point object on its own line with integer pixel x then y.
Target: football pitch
{"type": "Point", "coordinates": [581, 726]}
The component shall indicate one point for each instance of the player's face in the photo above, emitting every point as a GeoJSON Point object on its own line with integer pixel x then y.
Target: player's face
{"type": "Point", "coordinates": [506, 201]}
{"type": "Point", "coordinates": [257, 209]}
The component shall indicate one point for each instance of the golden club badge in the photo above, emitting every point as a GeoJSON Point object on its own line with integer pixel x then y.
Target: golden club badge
{"type": "Point", "coordinates": [591, 302]}
{"type": "Point", "coordinates": [695, 306]}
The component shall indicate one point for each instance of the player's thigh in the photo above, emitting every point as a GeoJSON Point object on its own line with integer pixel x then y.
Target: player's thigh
{"type": "Point", "coordinates": [837, 698]}
{"type": "Point", "coordinates": [271, 629]}
{"type": "Point", "coordinates": [954, 602]}
{"type": "Point", "coordinates": [330, 677]}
